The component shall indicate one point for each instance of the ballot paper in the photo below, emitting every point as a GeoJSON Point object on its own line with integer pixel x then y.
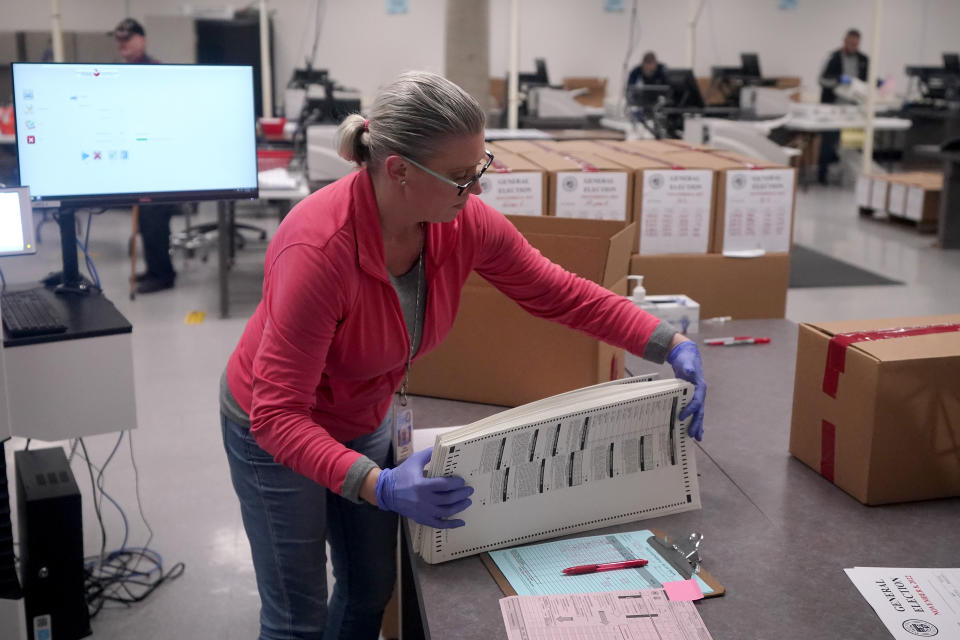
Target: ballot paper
{"type": "Point", "coordinates": [586, 459]}
{"type": "Point", "coordinates": [614, 615]}
{"type": "Point", "coordinates": [912, 603]}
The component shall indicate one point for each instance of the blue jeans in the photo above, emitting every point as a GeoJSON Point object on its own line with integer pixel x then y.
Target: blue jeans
{"type": "Point", "coordinates": [288, 519]}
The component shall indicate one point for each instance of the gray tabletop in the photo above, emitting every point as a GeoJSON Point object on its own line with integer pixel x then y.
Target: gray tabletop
{"type": "Point", "coordinates": [776, 534]}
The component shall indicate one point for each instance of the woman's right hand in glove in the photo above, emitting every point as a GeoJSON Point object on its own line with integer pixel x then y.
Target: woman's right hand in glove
{"type": "Point", "coordinates": [428, 501]}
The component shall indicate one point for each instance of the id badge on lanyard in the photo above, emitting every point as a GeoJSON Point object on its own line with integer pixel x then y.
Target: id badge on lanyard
{"type": "Point", "coordinates": [402, 414]}
{"type": "Point", "coordinates": [402, 430]}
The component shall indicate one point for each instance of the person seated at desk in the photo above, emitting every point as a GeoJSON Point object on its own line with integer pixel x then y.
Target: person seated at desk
{"type": "Point", "coordinates": [842, 65]}
{"type": "Point", "coordinates": [361, 280]}
{"type": "Point", "coordinates": [649, 71]}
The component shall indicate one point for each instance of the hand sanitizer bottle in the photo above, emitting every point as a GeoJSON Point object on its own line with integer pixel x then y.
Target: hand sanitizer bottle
{"type": "Point", "coordinates": [639, 293]}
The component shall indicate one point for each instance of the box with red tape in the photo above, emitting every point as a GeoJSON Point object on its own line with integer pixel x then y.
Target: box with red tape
{"type": "Point", "coordinates": [876, 406]}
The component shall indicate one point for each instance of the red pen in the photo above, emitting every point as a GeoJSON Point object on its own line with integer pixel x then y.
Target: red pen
{"type": "Point", "coordinates": [727, 342]}
{"type": "Point", "coordinates": [605, 566]}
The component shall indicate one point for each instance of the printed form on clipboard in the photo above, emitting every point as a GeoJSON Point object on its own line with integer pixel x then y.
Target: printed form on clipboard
{"type": "Point", "coordinates": [590, 458]}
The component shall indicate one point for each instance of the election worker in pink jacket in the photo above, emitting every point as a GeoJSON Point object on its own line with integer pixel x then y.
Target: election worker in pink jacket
{"type": "Point", "coordinates": [362, 279]}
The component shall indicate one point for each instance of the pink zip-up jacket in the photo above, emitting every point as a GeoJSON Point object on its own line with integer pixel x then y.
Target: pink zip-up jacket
{"type": "Point", "coordinates": [327, 347]}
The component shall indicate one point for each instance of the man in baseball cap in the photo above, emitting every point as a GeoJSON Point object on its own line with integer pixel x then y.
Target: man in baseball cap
{"type": "Point", "coordinates": [154, 220]}
{"type": "Point", "coordinates": [132, 42]}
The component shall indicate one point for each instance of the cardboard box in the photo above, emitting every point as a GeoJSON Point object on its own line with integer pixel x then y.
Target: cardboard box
{"type": "Point", "coordinates": [754, 204]}
{"type": "Point", "coordinates": [514, 186]}
{"type": "Point", "coordinates": [497, 353]}
{"type": "Point", "coordinates": [498, 92]}
{"type": "Point", "coordinates": [522, 146]}
{"type": "Point", "coordinates": [672, 203]}
{"type": "Point", "coordinates": [737, 287]}
{"type": "Point", "coordinates": [923, 199]}
{"type": "Point", "coordinates": [880, 418]}
{"type": "Point", "coordinates": [596, 90]}
{"type": "Point", "coordinates": [582, 185]}
{"type": "Point", "coordinates": [658, 147]}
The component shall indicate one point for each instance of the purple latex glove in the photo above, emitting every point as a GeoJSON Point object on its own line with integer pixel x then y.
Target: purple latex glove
{"type": "Point", "coordinates": [845, 79]}
{"type": "Point", "coordinates": [429, 501]}
{"type": "Point", "coordinates": [685, 360]}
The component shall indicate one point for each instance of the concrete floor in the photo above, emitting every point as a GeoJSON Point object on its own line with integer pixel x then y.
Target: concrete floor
{"type": "Point", "coordinates": [184, 482]}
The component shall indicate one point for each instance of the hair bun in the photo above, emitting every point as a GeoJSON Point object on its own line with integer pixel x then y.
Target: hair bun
{"type": "Point", "coordinates": [351, 145]}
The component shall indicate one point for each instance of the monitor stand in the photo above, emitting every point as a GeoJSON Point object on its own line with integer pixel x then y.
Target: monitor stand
{"type": "Point", "coordinates": [72, 283]}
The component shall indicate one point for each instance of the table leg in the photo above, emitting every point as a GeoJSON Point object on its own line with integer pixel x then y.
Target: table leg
{"type": "Point", "coordinates": [224, 234]}
{"type": "Point", "coordinates": [806, 142]}
{"type": "Point", "coordinates": [949, 223]}
{"type": "Point", "coordinates": [411, 615]}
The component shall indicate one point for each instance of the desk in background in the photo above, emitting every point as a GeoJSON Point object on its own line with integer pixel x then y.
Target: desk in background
{"type": "Point", "coordinates": [777, 535]}
{"type": "Point", "coordinates": [808, 129]}
{"type": "Point", "coordinates": [72, 384]}
{"type": "Point", "coordinates": [66, 385]}
{"type": "Point", "coordinates": [931, 126]}
{"type": "Point", "coordinates": [288, 195]}
{"type": "Point", "coordinates": [948, 226]}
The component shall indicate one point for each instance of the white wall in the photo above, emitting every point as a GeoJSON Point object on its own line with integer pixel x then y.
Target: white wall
{"type": "Point", "coordinates": [364, 47]}
{"type": "Point", "coordinates": [361, 45]}
{"type": "Point", "coordinates": [577, 37]}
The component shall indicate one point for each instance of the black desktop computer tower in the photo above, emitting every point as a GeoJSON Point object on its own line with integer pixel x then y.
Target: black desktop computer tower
{"type": "Point", "coordinates": [51, 546]}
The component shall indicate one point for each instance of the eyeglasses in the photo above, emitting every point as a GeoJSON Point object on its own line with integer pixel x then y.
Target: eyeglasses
{"type": "Point", "coordinates": [460, 187]}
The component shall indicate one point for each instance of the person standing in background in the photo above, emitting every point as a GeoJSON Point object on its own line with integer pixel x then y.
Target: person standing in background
{"type": "Point", "coordinates": [842, 65]}
{"type": "Point", "coordinates": [154, 219]}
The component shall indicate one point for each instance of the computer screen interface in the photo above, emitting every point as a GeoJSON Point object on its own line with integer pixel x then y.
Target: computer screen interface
{"type": "Point", "coordinates": [120, 133]}
{"type": "Point", "coordinates": [16, 223]}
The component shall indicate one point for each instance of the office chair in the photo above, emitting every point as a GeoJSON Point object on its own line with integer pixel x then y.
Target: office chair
{"type": "Point", "coordinates": [200, 238]}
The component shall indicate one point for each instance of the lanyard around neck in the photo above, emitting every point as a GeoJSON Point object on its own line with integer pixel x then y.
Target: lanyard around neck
{"type": "Point", "coordinates": [416, 326]}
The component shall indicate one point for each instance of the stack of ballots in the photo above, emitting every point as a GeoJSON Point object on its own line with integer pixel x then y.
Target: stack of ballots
{"type": "Point", "coordinates": [594, 457]}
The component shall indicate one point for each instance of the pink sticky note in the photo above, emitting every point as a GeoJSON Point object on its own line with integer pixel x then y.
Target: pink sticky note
{"type": "Point", "coordinates": [683, 590]}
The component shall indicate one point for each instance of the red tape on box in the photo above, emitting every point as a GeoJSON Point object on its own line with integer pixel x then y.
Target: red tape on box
{"type": "Point", "coordinates": [584, 165]}
{"type": "Point", "coordinates": [720, 154]}
{"type": "Point", "coordinates": [837, 349]}
{"type": "Point", "coordinates": [499, 167]}
{"type": "Point", "coordinates": [633, 152]}
{"type": "Point", "coordinates": [828, 456]}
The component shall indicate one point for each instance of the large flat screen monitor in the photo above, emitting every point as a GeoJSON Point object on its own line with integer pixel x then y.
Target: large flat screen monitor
{"type": "Point", "coordinates": [685, 92]}
{"type": "Point", "coordinates": [750, 64]}
{"type": "Point", "coordinates": [951, 62]}
{"type": "Point", "coordinates": [124, 134]}
{"type": "Point", "coordinates": [16, 223]}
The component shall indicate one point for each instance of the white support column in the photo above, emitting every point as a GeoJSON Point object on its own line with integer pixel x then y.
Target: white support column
{"type": "Point", "coordinates": [56, 31]}
{"type": "Point", "coordinates": [467, 47]}
{"type": "Point", "coordinates": [696, 6]}
{"type": "Point", "coordinates": [266, 76]}
{"type": "Point", "coordinates": [513, 99]}
{"type": "Point", "coordinates": [872, 86]}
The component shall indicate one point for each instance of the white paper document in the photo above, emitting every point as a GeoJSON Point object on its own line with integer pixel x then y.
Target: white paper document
{"type": "Point", "coordinates": [759, 206]}
{"type": "Point", "coordinates": [912, 603]}
{"type": "Point", "coordinates": [595, 195]}
{"type": "Point", "coordinates": [914, 206]}
{"type": "Point", "coordinates": [863, 191]}
{"type": "Point", "coordinates": [897, 200]}
{"type": "Point", "coordinates": [878, 195]}
{"type": "Point", "coordinates": [615, 615]}
{"type": "Point", "coordinates": [676, 211]}
{"type": "Point", "coordinates": [517, 193]}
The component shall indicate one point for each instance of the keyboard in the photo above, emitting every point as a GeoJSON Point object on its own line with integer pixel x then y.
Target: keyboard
{"type": "Point", "coordinates": [27, 313]}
